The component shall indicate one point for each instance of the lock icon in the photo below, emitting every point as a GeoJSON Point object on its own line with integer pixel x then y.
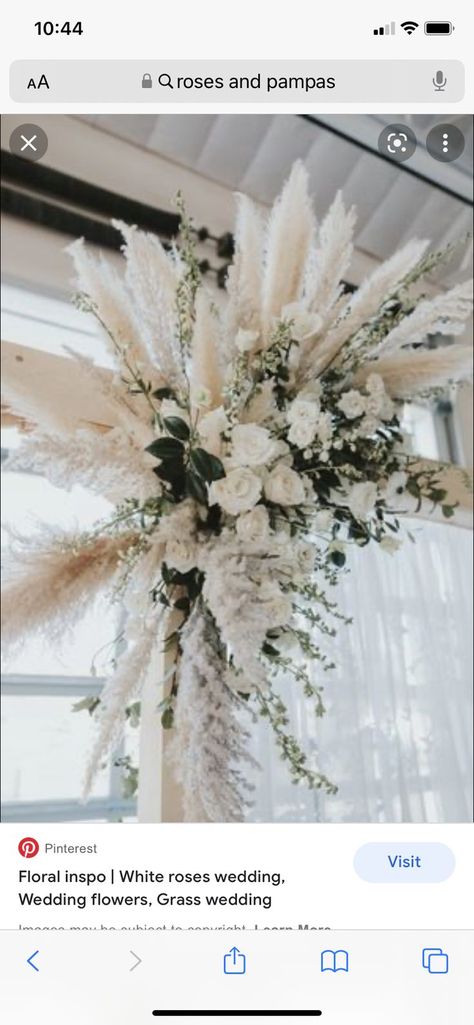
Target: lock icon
{"type": "Point", "coordinates": [147, 82]}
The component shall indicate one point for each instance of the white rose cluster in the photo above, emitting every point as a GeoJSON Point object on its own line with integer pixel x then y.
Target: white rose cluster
{"type": "Point", "coordinates": [373, 405]}
{"type": "Point", "coordinates": [284, 486]}
{"type": "Point", "coordinates": [308, 423]}
{"type": "Point", "coordinates": [237, 492]}
{"type": "Point", "coordinates": [252, 445]}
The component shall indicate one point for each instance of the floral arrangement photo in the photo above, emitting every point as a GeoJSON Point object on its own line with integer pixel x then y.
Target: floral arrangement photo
{"type": "Point", "coordinates": [254, 438]}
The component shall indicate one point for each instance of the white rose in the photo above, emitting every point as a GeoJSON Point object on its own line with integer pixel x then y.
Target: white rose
{"type": "Point", "coordinates": [284, 486]}
{"type": "Point", "coordinates": [211, 427]}
{"type": "Point", "coordinates": [303, 411]}
{"type": "Point", "coordinates": [246, 340]}
{"type": "Point", "coordinates": [236, 493]}
{"type": "Point", "coordinates": [302, 434]}
{"type": "Point", "coordinates": [252, 445]}
{"type": "Point", "coordinates": [395, 485]}
{"type": "Point", "coordinates": [181, 554]}
{"type": "Point", "coordinates": [390, 545]}
{"type": "Point", "coordinates": [352, 404]}
{"type": "Point", "coordinates": [304, 324]}
{"type": "Point", "coordinates": [253, 526]}
{"type": "Point", "coordinates": [361, 499]}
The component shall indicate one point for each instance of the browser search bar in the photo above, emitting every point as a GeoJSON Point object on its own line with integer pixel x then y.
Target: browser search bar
{"type": "Point", "coordinates": [237, 81]}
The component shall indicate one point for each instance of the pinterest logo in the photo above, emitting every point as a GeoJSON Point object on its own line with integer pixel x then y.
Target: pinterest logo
{"type": "Point", "coordinates": [28, 847]}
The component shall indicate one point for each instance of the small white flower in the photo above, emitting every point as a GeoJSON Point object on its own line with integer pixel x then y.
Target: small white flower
{"type": "Point", "coordinates": [352, 404]}
{"type": "Point", "coordinates": [395, 485]}
{"type": "Point", "coordinates": [361, 499]}
{"type": "Point", "coordinates": [181, 554]}
{"type": "Point", "coordinates": [304, 324]}
{"type": "Point", "coordinates": [203, 398]}
{"type": "Point", "coordinates": [252, 445]}
{"type": "Point", "coordinates": [246, 341]}
{"type": "Point", "coordinates": [253, 526]}
{"type": "Point", "coordinates": [368, 426]}
{"type": "Point", "coordinates": [236, 493]}
{"type": "Point", "coordinates": [324, 428]}
{"type": "Point", "coordinates": [390, 544]}
{"type": "Point", "coordinates": [302, 433]}
{"type": "Point", "coordinates": [303, 411]}
{"type": "Point", "coordinates": [284, 486]}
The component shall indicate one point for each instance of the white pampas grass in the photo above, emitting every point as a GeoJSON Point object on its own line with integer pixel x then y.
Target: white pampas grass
{"type": "Point", "coordinates": [30, 405]}
{"type": "Point", "coordinates": [125, 468]}
{"type": "Point", "coordinates": [206, 376]}
{"type": "Point", "coordinates": [152, 276]}
{"type": "Point", "coordinates": [407, 374]}
{"type": "Point", "coordinates": [210, 744]}
{"type": "Point", "coordinates": [445, 314]}
{"type": "Point", "coordinates": [332, 257]}
{"type": "Point", "coordinates": [118, 691]}
{"type": "Point", "coordinates": [366, 301]}
{"type": "Point", "coordinates": [99, 281]}
{"type": "Point", "coordinates": [244, 280]}
{"type": "Point", "coordinates": [53, 578]}
{"type": "Point", "coordinates": [289, 234]}
{"type": "Point", "coordinates": [130, 412]}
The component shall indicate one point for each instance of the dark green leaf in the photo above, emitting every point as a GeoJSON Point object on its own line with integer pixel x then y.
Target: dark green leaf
{"type": "Point", "coordinates": [166, 448]}
{"type": "Point", "coordinates": [167, 719]}
{"type": "Point", "coordinates": [163, 393]}
{"type": "Point", "coordinates": [438, 494]}
{"type": "Point", "coordinates": [206, 466]}
{"type": "Point", "coordinates": [177, 427]}
{"type": "Point", "coordinates": [338, 558]}
{"type": "Point", "coordinates": [196, 487]}
{"type": "Point", "coordinates": [448, 511]}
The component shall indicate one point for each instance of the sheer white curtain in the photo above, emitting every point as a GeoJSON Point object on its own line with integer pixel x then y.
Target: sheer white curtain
{"type": "Point", "coordinates": [397, 737]}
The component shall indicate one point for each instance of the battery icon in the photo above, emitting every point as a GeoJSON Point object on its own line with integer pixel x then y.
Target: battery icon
{"type": "Point", "coordinates": [438, 28]}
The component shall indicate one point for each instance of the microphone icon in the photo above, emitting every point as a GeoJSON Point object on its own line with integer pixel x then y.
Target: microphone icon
{"type": "Point", "coordinates": [440, 81]}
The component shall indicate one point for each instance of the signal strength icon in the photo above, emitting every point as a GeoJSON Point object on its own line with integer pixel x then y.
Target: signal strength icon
{"type": "Point", "coordinates": [409, 27]}
{"type": "Point", "coordinates": [385, 30]}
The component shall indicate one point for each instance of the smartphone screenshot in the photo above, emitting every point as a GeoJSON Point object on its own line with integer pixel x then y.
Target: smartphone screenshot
{"type": "Point", "coordinates": [237, 691]}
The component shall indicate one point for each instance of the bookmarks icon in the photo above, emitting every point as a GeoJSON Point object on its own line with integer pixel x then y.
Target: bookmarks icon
{"type": "Point", "coordinates": [335, 961]}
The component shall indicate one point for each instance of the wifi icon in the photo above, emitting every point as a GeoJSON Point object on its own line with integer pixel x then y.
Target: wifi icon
{"type": "Point", "coordinates": [409, 27]}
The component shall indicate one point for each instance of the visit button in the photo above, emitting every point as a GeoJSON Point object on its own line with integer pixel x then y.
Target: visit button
{"type": "Point", "coordinates": [404, 862]}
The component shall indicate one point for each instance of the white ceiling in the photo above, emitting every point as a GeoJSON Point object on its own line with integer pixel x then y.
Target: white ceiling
{"type": "Point", "coordinates": [253, 154]}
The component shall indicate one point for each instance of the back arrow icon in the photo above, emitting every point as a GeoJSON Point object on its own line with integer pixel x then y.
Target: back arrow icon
{"type": "Point", "coordinates": [31, 959]}
{"type": "Point", "coordinates": [138, 961]}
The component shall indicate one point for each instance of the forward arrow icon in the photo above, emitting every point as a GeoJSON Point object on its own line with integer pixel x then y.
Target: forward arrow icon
{"type": "Point", "coordinates": [138, 961]}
